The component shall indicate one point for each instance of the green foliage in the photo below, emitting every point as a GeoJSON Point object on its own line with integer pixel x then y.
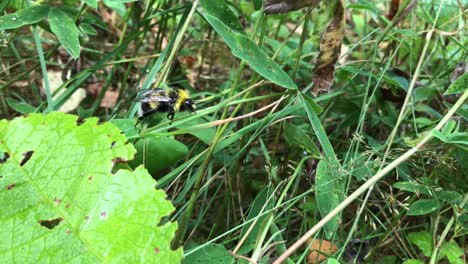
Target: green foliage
{"type": "Point", "coordinates": [423, 206]}
{"type": "Point", "coordinates": [228, 27]}
{"type": "Point", "coordinates": [263, 202]}
{"type": "Point", "coordinates": [458, 86]}
{"type": "Point", "coordinates": [327, 194]}
{"type": "Point", "coordinates": [211, 253]}
{"type": "Point", "coordinates": [423, 240]}
{"type": "Point", "coordinates": [158, 153]}
{"type": "Point", "coordinates": [63, 201]}
{"type": "Point", "coordinates": [27, 16]}
{"type": "Point", "coordinates": [253, 155]}
{"type": "Point", "coordinates": [66, 31]}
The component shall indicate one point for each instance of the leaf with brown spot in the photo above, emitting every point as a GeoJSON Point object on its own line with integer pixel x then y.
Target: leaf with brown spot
{"type": "Point", "coordinates": [330, 50]}
{"type": "Point", "coordinates": [320, 250]}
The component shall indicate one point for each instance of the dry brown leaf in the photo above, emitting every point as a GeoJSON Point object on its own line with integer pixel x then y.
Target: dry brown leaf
{"type": "Point", "coordinates": [394, 6]}
{"type": "Point", "coordinates": [320, 250]}
{"type": "Point", "coordinates": [110, 99]}
{"type": "Point", "coordinates": [330, 50]}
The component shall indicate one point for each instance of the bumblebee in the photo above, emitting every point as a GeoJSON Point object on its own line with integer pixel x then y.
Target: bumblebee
{"type": "Point", "coordinates": [170, 100]}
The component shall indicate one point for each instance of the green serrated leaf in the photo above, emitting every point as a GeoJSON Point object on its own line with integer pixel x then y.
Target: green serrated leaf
{"type": "Point", "coordinates": [452, 251]}
{"type": "Point", "coordinates": [62, 203]}
{"type": "Point", "coordinates": [66, 31]}
{"type": "Point", "coordinates": [211, 253]}
{"type": "Point", "coordinates": [423, 240]}
{"type": "Point", "coordinates": [26, 16]}
{"type": "Point", "coordinates": [241, 46]}
{"type": "Point", "coordinates": [91, 3]}
{"type": "Point", "coordinates": [423, 206]}
{"type": "Point", "coordinates": [158, 153]}
{"type": "Point", "coordinates": [458, 86]}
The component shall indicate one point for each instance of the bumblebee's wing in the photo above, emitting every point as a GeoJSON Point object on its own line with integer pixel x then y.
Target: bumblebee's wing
{"type": "Point", "coordinates": [153, 95]}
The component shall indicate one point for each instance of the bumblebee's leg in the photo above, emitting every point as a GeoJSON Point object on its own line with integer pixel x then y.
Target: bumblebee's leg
{"type": "Point", "coordinates": [171, 113]}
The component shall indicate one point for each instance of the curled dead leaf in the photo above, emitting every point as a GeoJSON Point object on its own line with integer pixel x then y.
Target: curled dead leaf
{"type": "Point", "coordinates": [330, 50]}
{"type": "Point", "coordinates": [394, 6]}
{"type": "Point", "coordinates": [320, 250]}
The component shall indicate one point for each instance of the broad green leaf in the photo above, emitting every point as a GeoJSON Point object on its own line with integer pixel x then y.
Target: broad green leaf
{"type": "Point", "coordinates": [241, 46]}
{"type": "Point", "coordinates": [211, 253]}
{"type": "Point", "coordinates": [91, 3]}
{"type": "Point", "coordinates": [262, 203]}
{"type": "Point", "coordinates": [423, 240]}
{"type": "Point", "coordinates": [413, 187]}
{"type": "Point", "coordinates": [329, 182]}
{"type": "Point", "coordinates": [26, 16]}
{"type": "Point", "coordinates": [298, 138]}
{"type": "Point", "coordinates": [452, 251]}
{"type": "Point", "coordinates": [220, 10]}
{"type": "Point", "coordinates": [451, 197]}
{"type": "Point", "coordinates": [158, 153]}
{"type": "Point", "coordinates": [423, 206]}
{"type": "Point", "coordinates": [327, 194]}
{"type": "Point", "coordinates": [206, 135]}
{"type": "Point", "coordinates": [66, 31]}
{"type": "Point", "coordinates": [458, 86]}
{"type": "Point", "coordinates": [118, 6]}
{"type": "Point", "coordinates": [312, 104]}
{"type": "Point", "coordinates": [88, 29]}
{"type": "Point", "coordinates": [63, 202]}
{"type": "Point", "coordinates": [127, 126]}
{"type": "Point", "coordinates": [20, 107]}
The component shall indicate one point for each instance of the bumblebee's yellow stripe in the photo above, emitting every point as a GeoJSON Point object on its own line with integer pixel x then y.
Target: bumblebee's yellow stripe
{"type": "Point", "coordinates": [183, 95]}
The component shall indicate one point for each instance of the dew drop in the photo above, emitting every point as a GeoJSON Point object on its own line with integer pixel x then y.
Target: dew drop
{"type": "Point", "coordinates": [14, 18]}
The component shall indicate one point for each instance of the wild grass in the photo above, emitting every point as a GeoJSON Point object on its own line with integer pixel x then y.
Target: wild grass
{"type": "Point", "coordinates": [248, 179]}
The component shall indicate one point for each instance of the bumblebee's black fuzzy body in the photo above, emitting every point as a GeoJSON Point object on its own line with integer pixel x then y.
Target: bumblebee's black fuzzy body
{"type": "Point", "coordinates": [169, 100]}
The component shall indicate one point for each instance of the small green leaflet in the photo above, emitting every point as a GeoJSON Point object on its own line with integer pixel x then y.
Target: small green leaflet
{"type": "Point", "coordinates": [459, 85]}
{"type": "Point", "coordinates": [27, 16]}
{"type": "Point", "coordinates": [423, 206]}
{"type": "Point", "coordinates": [66, 31]}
